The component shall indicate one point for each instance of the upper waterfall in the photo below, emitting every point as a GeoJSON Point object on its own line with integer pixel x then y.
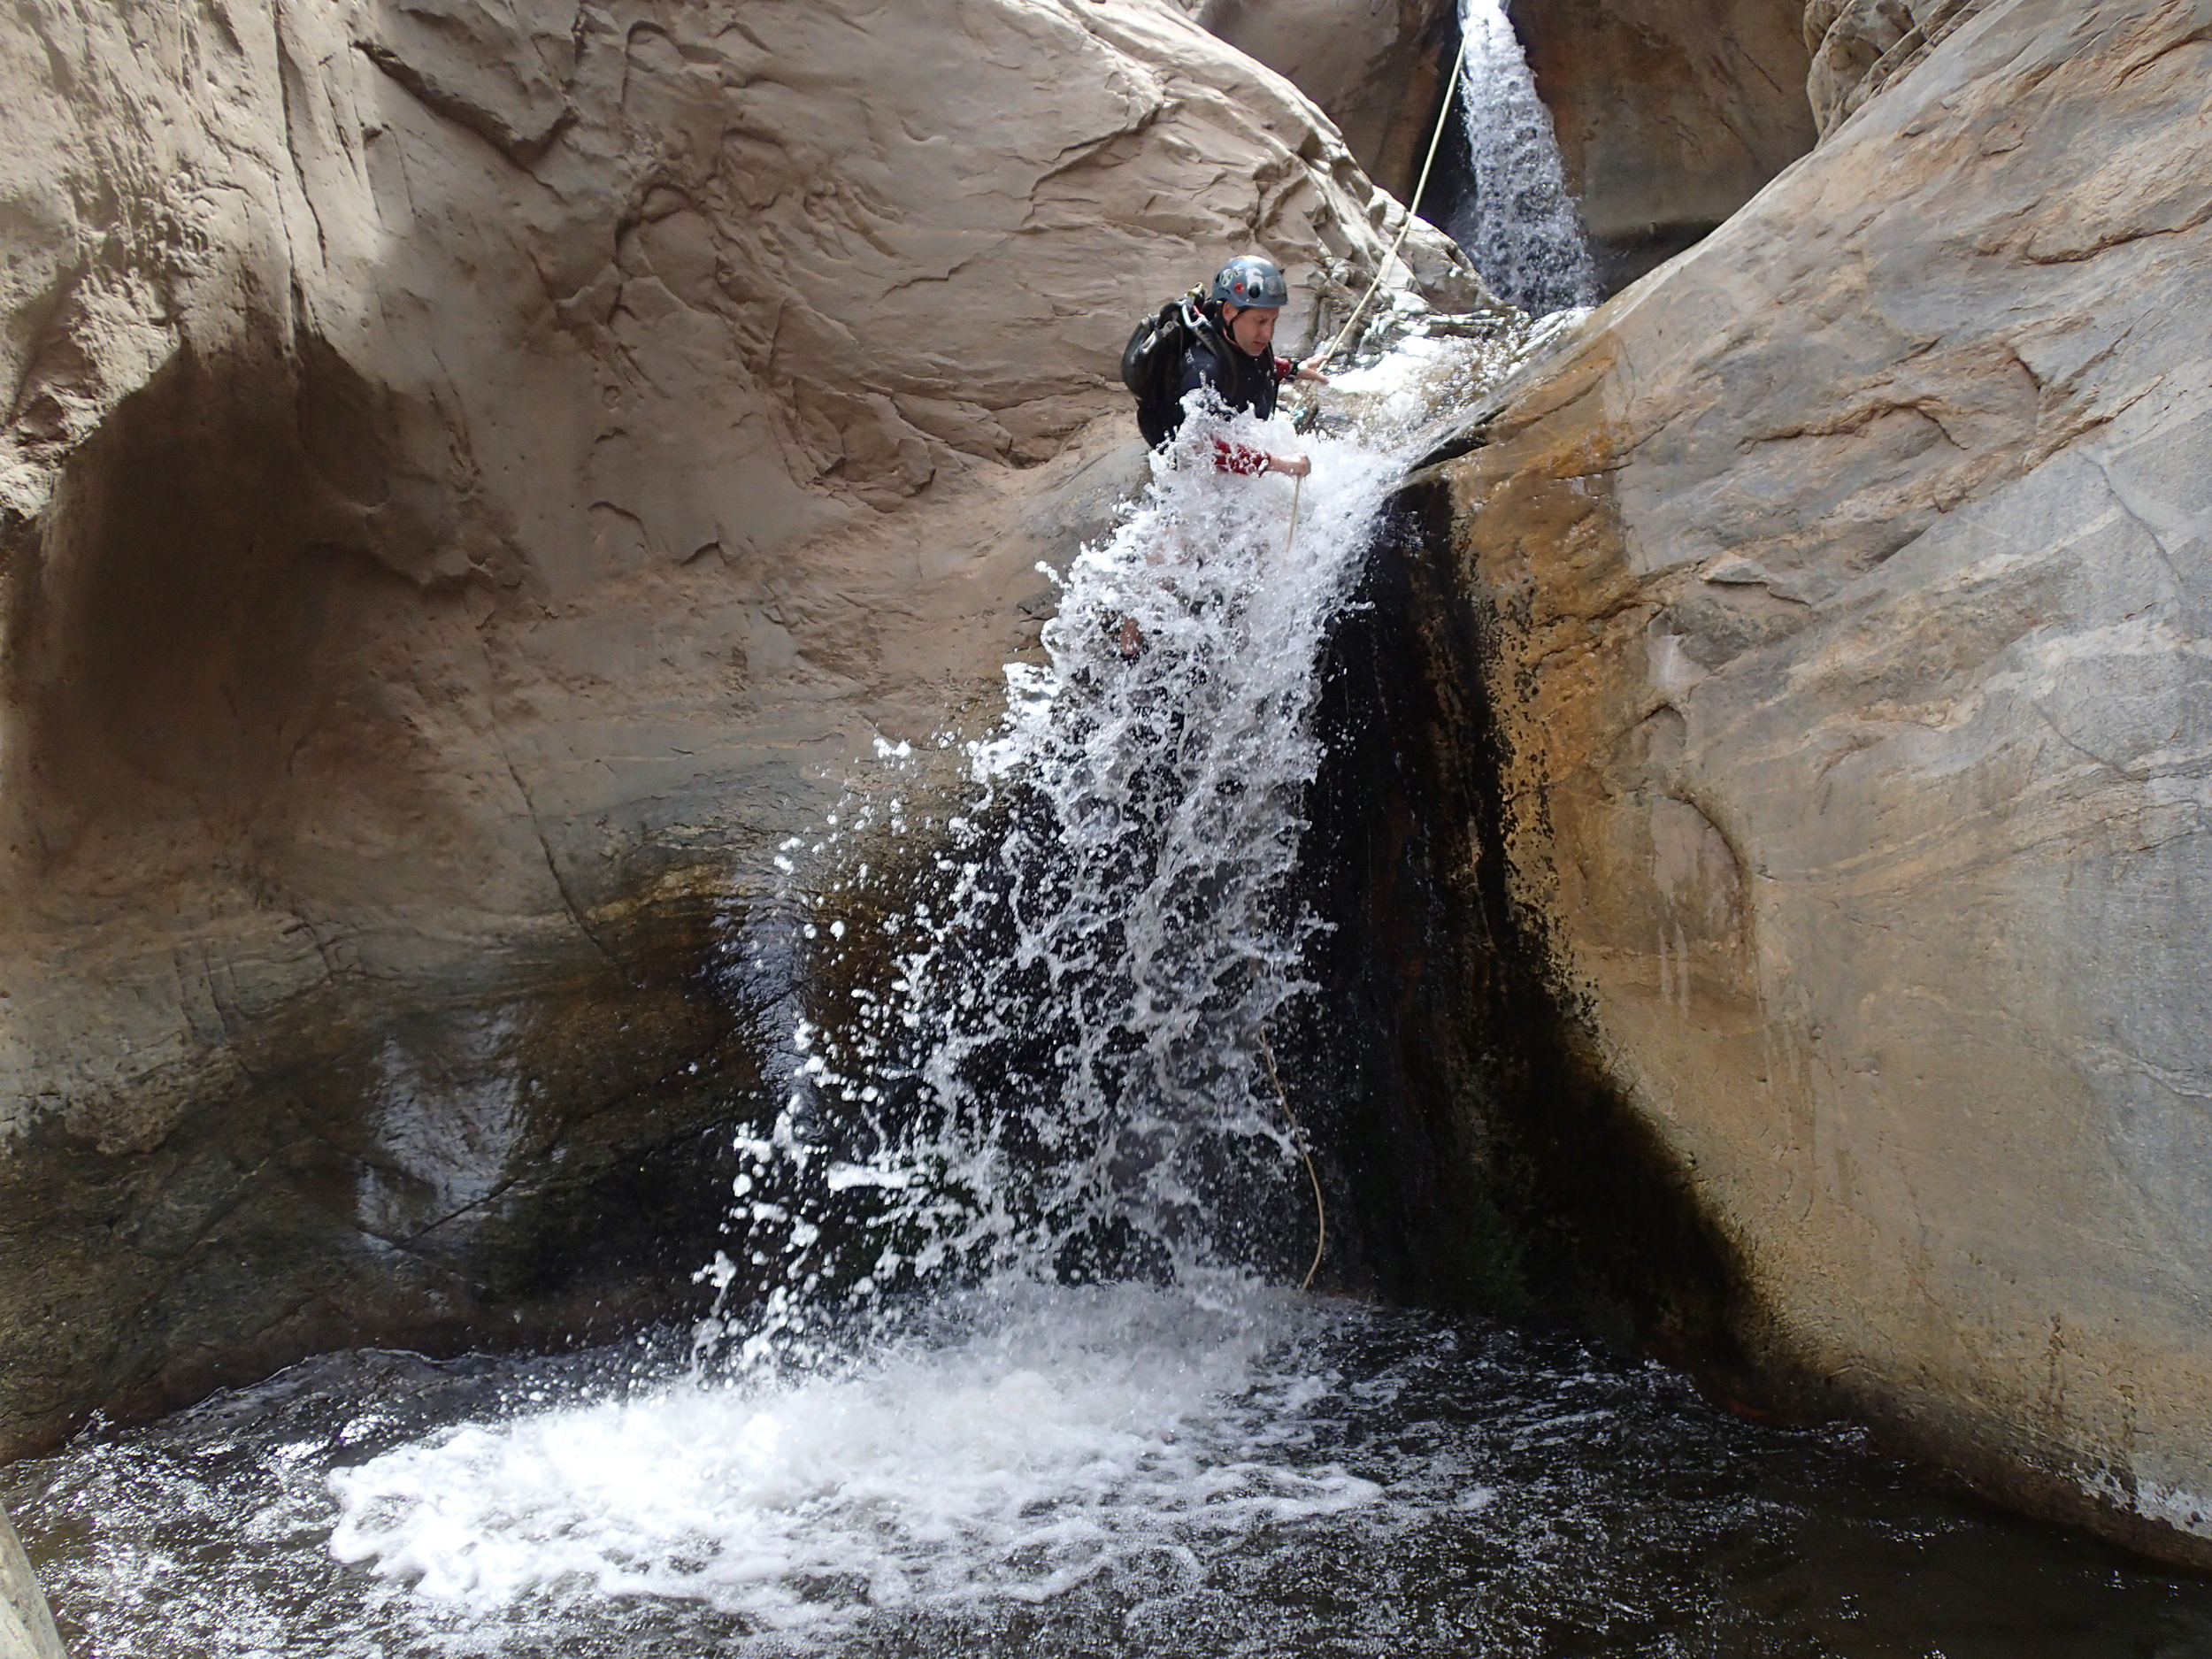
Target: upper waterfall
{"type": "Point", "coordinates": [1519, 224]}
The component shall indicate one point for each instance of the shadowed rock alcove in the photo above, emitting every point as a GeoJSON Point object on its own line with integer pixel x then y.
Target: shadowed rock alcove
{"type": "Point", "coordinates": [1477, 1158]}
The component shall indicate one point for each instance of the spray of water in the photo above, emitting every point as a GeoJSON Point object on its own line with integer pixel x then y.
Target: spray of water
{"type": "Point", "coordinates": [1013, 1243]}
{"type": "Point", "coordinates": [1043, 1058]}
{"type": "Point", "coordinates": [1521, 227]}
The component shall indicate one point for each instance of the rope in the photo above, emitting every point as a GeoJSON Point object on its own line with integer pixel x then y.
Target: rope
{"type": "Point", "coordinates": [1442, 115]}
{"type": "Point", "coordinates": [1298, 1137]}
{"type": "Point", "coordinates": [1296, 484]}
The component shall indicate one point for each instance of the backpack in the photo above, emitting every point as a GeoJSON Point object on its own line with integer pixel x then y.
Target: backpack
{"type": "Point", "coordinates": [1152, 368]}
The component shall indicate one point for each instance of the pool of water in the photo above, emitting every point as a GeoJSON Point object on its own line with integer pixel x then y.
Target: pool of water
{"type": "Point", "coordinates": [1050, 1470]}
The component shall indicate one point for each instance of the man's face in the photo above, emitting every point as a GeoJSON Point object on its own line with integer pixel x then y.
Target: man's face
{"type": "Point", "coordinates": [1253, 329]}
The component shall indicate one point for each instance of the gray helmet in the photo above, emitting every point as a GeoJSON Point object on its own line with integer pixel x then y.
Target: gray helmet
{"type": "Point", "coordinates": [1248, 280]}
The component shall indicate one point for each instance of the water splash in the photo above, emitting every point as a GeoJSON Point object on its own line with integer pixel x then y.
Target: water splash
{"type": "Point", "coordinates": [1520, 226]}
{"type": "Point", "coordinates": [1042, 1056]}
{"type": "Point", "coordinates": [1004, 1448]}
{"type": "Point", "coordinates": [1009, 1239]}
{"type": "Point", "coordinates": [1106, 1470]}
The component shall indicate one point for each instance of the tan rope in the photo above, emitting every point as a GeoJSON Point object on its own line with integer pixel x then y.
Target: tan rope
{"type": "Point", "coordinates": [1298, 1137]}
{"type": "Point", "coordinates": [1296, 484]}
{"type": "Point", "coordinates": [1443, 115]}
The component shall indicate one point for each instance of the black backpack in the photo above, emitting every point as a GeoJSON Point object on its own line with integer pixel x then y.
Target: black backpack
{"type": "Point", "coordinates": [1152, 368]}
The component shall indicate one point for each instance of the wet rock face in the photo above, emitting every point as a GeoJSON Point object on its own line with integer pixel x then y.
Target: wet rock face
{"type": "Point", "coordinates": [1842, 589]}
{"type": "Point", "coordinates": [1477, 1155]}
{"type": "Point", "coordinates": [475, 477]}
{"type": "Point", "coordinates": [1671, 114]}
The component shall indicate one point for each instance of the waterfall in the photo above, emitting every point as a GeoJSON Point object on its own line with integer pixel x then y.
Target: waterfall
{"type": "Point", "coordinates": [1016, 1241]}
{"type": "Point", "coordinates": [1037, 1050]}
{"type": "Point", "coordinates": [1006, 1369]}
{"type": "Point", "coordinates": [1520, 226]}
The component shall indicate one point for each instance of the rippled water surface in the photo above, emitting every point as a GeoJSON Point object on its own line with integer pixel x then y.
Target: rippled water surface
{"type": "Point", "coordinates": [1050, 1470]}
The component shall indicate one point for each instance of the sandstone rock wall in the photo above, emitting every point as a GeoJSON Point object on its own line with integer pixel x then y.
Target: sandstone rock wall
{"type": "Point", "coordinates": [1859, 47]}
{"type": "Point", "coordinates": [1846, 588]}
{"type": "Point", "coordinates": [1376, 68]}
{"type": "Point", "coordinates": [472, 476]}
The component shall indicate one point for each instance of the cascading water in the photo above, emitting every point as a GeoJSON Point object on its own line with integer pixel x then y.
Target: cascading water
{"type": "Point", "coordinates": [1519, 224]}
{"type": "Point", "coordinates": [1002, 1365]}
{"type": "Point", "coordinates": [1051, 1081]}
{"type": "Point", "coordinates": [1058, 1074]}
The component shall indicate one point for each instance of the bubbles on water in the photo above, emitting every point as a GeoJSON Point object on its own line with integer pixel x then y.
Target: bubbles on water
{"type": "Point", "coordinates": [1106, 1470]}
{"type": "Point", "coordinates": [1006, 1445]}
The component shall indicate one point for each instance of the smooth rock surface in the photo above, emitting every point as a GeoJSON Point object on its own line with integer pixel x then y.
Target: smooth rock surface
{"type": "Point", "coordinates": [1845, 586]}
{"type": "Point", "coordinates": [1376, 68]}
{"type": "Point", "coordinates": [474, 478]}
{"type": "Point", "coordinates": [1671, 115]}
{"type": "Point", "coordinates": [1859, 47]}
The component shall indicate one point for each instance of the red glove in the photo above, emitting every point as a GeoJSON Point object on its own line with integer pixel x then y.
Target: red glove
{"type": "Point", "coordinates": [1239, 458]}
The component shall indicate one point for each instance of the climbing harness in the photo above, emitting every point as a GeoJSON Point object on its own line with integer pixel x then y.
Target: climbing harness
{"type": "Point", "coordinates": [1298, 1139]}
{"type": "Point", "coordinates": [1381, 269]}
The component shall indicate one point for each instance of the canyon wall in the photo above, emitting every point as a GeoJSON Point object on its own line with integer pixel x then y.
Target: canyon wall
{"type": "Point", "coordinates": [1671, 114]}
{"type": "Point", "coordinates": [1375, 67]}
{"type": "Point", "coordinates": [472, 478]}
{"type": "Point", "coordinates": [1840, 590]}
{"type": "Point", "coordinates": [1859, 47]}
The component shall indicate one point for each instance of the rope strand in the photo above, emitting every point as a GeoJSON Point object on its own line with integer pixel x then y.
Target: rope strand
{"type": "Point", "coordinates": [1298, 1137]}
{"type": "Point", "coordinates": [1436, 138]}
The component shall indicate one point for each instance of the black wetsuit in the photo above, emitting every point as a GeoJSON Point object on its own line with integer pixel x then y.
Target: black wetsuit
{"type": "Point", "coordinates": [1244, 383]}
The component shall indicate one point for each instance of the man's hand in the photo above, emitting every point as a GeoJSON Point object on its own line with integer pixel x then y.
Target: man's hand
{"type": "Point", "coordinates": [1310, 370]}
{"type": "Point", "coordinates": [1290, 465]}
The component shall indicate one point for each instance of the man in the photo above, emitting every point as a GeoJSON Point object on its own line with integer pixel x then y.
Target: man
{"type": "Point", "coordinates": [1232, 355]}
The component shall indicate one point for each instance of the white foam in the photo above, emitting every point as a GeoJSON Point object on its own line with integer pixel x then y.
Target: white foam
{"type": "Point", "coordinates": [1037, 1438]}
{"type": "Point", "coordinates": [1133, 821]}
